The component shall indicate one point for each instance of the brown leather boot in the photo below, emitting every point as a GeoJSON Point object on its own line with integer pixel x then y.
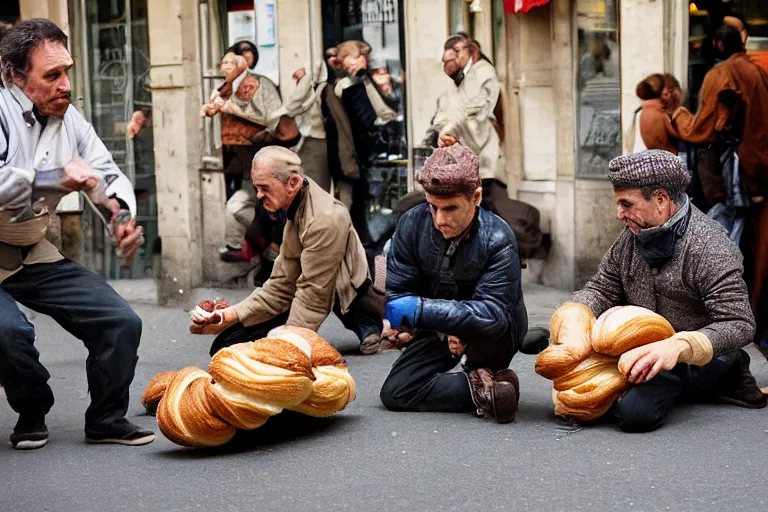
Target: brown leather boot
{"type": "Point", "coordinates": [494, 398]}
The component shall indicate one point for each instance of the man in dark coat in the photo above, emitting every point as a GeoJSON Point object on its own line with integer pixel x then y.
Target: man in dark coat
{"type": "Point", "coordinates": [453, 277]}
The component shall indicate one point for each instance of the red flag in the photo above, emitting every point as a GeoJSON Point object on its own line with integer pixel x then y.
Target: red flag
{"type": "Point", "coordinates": [522, 6]}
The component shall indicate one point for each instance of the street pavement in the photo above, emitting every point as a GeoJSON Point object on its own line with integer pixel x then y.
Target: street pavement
{"type": "Point", "coordinates": [707, 457]}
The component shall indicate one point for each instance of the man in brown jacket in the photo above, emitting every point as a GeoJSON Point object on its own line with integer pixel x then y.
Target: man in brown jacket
{"type": "Point", "coordinates": [732, 116]}
{"type": "Point", "coordinates": [321, 267]}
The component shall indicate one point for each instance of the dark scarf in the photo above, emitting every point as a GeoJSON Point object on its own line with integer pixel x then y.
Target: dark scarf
{"type": "Point", "coordinates": [657, 245]}
{"type": "Point", "coordinates": [458, 77]}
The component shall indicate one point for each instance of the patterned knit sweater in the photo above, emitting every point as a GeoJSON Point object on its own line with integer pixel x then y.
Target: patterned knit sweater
{"type": "Point", "coordinates": [700, 289]}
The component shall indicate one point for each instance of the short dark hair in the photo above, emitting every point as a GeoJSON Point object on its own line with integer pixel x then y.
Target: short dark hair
{"type": "Point", "coordinates": [20, 41]}
{"type": "Point", "coordinates": [241, 47]}
{"type": "Point", "coordinates": [731, 40]}
{"type": "Point", "coordinates": [675, 195]}
{"type": "Point", "coordinates": [456, 39]}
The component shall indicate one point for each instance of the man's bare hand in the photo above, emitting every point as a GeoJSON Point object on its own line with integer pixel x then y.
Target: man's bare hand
{"type": "Point", "coordinates": [446, 140]}
{"type": "Point", "coordinates": [128, 236]}
{"type": "Point", "coordinates": [644, 363]}
{"type": "Point", "coordinates": [455, 345]}
{"type": "Point", "coordinates": [216, 105]}
{"type": "Point", "coordinates": [299, 74]}
{"type": "Point", "coordinates": [397, 338]}
{"type": "Point", "coordinates": [78, 175]}
{"type": "Point", "coordinates": [136, 124]}
{"type": "Point", "coordinates": [212, 323]}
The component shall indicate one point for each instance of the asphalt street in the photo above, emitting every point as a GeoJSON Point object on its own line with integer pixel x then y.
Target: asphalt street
{"type": "Point", "coordinates": [707, 457]}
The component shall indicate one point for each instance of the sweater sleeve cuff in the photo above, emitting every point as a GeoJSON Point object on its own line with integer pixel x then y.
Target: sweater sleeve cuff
{"type": "Point", "coordinates": [699, 348]}
{"type": "Point", "coordinates": [243, 311]}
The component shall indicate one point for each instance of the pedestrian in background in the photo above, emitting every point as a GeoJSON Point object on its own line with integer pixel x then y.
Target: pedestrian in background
{"type": "Point", "coordinates": [368, 108]}
{"type": "Point", "coordinates": [731, 127]}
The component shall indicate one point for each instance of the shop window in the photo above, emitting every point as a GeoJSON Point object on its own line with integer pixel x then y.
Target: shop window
{"type": "Point", "coordinates": [111, 42]}
{"type": "Point", "coordinates": [598, 87]}
{"type": "Point", "coordinates": [256, 21]}
{"type": "Point", "coordinates": [380, 24]}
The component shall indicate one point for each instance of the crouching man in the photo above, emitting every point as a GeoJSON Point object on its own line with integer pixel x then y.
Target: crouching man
{"type": "Point", "coordinates": [40, 131]}
{"type": "Point", "coordinates": [674, 260]}
{"type": "Point", "coordinates": [321, 266]}
{"type": "Point", "coordinates": [453, 277]}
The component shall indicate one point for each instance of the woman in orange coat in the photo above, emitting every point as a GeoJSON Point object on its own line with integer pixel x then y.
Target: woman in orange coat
{"type": "Point", "coordinates": [660, 94]}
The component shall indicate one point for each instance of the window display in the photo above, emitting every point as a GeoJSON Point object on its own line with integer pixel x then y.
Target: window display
{"type": "Point", "coordinates": [113, 42]}
{"type": "Point", "coordinates": [598, 86]}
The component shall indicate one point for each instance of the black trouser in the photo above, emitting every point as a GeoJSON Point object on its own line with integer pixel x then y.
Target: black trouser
{"type": "Point", "coordinates": [418, 380]}
{"type": "Point", "coordinates": [88, 308]}
{"type": "Point", "coordinates": [643, 408]}
{"type": "Point", "coordinates": [358, 320]}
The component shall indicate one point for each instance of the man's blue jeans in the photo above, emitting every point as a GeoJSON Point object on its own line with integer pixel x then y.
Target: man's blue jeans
{"type": "Point", "coordinates": [88, 308]}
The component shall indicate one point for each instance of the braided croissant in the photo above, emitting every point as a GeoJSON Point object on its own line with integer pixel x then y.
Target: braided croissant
{"type": "Point", "coordinates": [247, 383]}
{"type": "Point", "coordinates": [583, 355]}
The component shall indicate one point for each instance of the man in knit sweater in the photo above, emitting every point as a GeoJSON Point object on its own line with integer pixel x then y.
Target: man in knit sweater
{"type": "Point", "coordinates": [674, 260]}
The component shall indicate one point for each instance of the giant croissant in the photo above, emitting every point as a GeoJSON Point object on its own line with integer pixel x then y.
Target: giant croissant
{"type": "Point", "coordinates": [247, 383]}
{"type": "Point", "coordinates": [583, 354]}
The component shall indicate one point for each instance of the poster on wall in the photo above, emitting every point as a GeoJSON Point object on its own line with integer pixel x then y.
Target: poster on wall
{"type": "Point", "coordinates": [265, 24]}
{"type": "Point", "coordinates": [241, 25]}
{"type": "Point", "coordinates": [256, 21]}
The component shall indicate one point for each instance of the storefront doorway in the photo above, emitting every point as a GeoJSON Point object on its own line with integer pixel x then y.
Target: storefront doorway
{"type": "Point", "coordinates": [110, 43]}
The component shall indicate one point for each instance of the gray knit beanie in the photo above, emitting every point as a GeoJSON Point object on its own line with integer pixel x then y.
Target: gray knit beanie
{"type": "Point", "coordinates": [654, 168]}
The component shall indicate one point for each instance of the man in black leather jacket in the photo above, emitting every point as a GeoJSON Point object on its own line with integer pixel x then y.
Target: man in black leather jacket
{"type": "Point", "coordinates": [453, 278]}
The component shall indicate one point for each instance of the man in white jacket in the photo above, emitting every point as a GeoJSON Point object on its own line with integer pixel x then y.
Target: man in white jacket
{"type": "Point", "coordinates": [41, 131]}
{"type": "Point", "coordinates": [465, 110]}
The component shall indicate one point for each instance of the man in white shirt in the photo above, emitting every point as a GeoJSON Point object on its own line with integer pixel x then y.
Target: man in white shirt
{"type": "Point", "coordinates": [41, 131]}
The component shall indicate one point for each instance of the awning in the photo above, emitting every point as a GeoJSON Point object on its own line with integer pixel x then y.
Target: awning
{"type": "Point", "coordinates": [522, 6]}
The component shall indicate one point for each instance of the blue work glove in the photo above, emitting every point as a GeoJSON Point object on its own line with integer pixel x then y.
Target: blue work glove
{"type": "Point", "coordinates": [404, 312]}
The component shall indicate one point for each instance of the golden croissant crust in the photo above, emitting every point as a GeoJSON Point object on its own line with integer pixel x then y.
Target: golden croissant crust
{"type": "Point", "coordinates": [247, 383]}
{"type": "Point", "coordinates": [155, 391]}
{"type": "Point", "coordinates": [583, 355]}
{"type": "Point", "coordinates": [570, 340]}
{"type": "Point", "coordinates": [623, 328]}
{"type": "Point", "coordinates": [185, 415]}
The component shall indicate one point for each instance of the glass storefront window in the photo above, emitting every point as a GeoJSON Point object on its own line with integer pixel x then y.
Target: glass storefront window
{"type": "Point", "coordinates": [380, 24]}
{"type": "Point", "coordinates": [598, 87]}
{"type": "Point", "coordinates": [113, 50]}
{"type": "Point", "coordinates": [458, 16]}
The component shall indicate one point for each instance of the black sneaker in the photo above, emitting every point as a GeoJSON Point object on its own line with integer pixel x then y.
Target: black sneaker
{"type": "Point", "coordinates": [29, 433]}
{"type": "Point", "coordinates": [743, 390]}
{"type": "Point", "coordinates": [135, 437]}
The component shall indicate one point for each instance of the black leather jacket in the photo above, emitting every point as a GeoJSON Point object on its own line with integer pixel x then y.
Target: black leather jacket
{"type": "Point", "coordinates": [476, 294]}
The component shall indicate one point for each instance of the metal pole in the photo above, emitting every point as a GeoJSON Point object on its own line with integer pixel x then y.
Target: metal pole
{"type": "Point", "coordinates": [87, 111]}
{"type": "Point", "coordinates": [208, 150]}
{"type": "Point", "coordinates": [130, 160]}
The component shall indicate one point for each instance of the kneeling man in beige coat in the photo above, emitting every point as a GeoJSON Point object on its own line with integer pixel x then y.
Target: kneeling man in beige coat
{"type": "Point", "coordinates": [322, 266]}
